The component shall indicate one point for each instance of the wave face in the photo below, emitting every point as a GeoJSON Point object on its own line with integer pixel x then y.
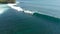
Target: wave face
{"type": "Point", "coordinates": [46, 7]}
{"type": "Point", "coordinates": [3, 8]}
{"type": "Point", "coordinates": [42, 9]}
{"type": "Point", "coordinates": [14, 22]}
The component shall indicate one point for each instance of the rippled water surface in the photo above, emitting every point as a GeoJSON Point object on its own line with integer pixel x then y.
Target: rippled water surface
{"type": "Point", "coordinates": [14, 22]}
{"type": "Point", "coordinates": [47, 7]}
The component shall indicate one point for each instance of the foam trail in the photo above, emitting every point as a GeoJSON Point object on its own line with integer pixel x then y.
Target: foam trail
{"type": "Point", "coordinates": [16, 8]}
{"type": "Point", "coordinates": [13, 6]}
{"type": "Point", "coordinates": [29, 12]}
{"type": "Point", "coordinates": [3, 8]}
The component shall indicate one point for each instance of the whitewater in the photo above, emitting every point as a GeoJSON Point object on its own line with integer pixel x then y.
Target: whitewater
{"type": "Point", "coordinates": [5, 7]}
{"type": "Point", "coordinates": [43, 11]}
{"type": "Point", "coordinates": [24, 18]}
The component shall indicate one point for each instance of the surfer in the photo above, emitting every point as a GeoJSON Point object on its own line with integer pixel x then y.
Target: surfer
{"type": "Point", "coordinates": [13, 6]}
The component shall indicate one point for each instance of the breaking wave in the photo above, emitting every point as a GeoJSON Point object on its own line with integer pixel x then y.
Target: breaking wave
{"type": "Point", "coordinates": [43, 7]}
{"type": "Point", "coordinates": [15, 7]}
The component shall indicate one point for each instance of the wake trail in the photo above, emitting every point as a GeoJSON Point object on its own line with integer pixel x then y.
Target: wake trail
{"type": "Point", "coordinates": [13, 6]}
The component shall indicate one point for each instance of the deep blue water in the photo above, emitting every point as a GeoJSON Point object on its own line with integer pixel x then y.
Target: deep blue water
{"type": "Point", "coordinates": [14, 22]}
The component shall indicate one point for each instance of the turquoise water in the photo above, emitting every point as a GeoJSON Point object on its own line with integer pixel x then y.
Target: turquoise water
{"type": "Point", "coordinates": [3, 8]}
{"type": "Point", "coordinates": [14, 22]}
{"type": "Point", "coordinates": [46, 7]}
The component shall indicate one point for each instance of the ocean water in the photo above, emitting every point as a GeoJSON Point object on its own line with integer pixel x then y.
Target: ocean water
{"type": "Point", "coordinates": [15, 22]}
{"type": "Point", "coordinates": [46, 7]}
{"type": "Point", "coordinates": [3, 8]}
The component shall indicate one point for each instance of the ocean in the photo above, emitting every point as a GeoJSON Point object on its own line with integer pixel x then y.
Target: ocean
{"type": "Point", "coordinates": [45, 20]}
{"type": "Point", "coordinates": [46, 7]}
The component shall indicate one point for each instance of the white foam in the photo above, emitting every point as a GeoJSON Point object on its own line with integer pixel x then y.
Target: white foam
{"type": "Point", "coordinates": [3, 8]}
{"type": "Point", "coordinates": [15, 7]}
{"type": "Point", "coordinates": [29, 12]}
{"type": "Point", "coordinates": [19, 8]}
